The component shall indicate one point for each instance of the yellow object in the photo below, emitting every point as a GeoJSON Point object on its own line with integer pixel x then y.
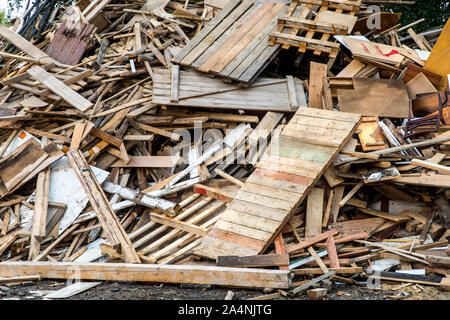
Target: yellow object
{"type": "Point", "coordinates": [439, 59]}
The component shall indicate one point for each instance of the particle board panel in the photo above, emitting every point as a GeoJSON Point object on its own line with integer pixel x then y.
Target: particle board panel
{"type": "Point", "coordinates": [264, 94]}
{"type": "Point", "coordinates": [234, 43]}
{"type": "Point", "coordinates": [245, 220]}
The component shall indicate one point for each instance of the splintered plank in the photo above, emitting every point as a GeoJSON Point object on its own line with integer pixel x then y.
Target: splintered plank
{"type": "Point", "coordinates": [317, 72]}
{"type": "Point", "coordinates": [281, 181]}
{"type": "Point", "coordinates": [59, 88]}
{"type": "Point", "coordinates": [223, 276]}
{"type": "Point", "coordinates": [100, 204]}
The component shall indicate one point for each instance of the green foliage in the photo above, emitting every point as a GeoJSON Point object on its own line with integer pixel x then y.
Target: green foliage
{"type": "Point", "coordinates": [3, 20]}
{"type": "Point", "coordinates": [435, 12]}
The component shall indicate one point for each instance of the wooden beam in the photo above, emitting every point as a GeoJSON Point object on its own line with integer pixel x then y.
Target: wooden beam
{"type": "Point", "coordinates": [223, 276]}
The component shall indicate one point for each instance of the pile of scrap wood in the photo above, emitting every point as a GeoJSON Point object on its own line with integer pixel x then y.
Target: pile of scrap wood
{"type": "Point", "coordinates": [169, 141]}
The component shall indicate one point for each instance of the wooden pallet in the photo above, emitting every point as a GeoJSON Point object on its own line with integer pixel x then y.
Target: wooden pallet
{"type": "Point", "coordinates": [280, 182]}
{"type": "Point", "coordinates": [234, 44]}
{"type": "Point", "coordinates": [180, 88]}
{"type": "Point", "coordinates": [161, 243]}
{"type": "Point", "coordinates": [296, 29]}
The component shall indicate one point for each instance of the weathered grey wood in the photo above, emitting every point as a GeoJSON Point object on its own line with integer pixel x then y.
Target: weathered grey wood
{"type": "Point", "coordinates": [264, 94]}
{"type": "Point", "coordinates": [207, 30]}
{"type": "Point", "coordinates": [72, 290]}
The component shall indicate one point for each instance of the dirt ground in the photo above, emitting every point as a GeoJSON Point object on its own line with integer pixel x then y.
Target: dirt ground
{"type": "Point", "coordinates": [113, 290]}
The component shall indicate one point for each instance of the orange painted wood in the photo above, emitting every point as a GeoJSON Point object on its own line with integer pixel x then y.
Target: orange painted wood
{"type": "Point", "coordinates": [236, 238]}
{"type": "Point", "coordinates": [332, 253]}
{"type": "Point", "coordinates": [359, 236]}
{"type": "Point", "coordinates": [311, 241]}
{"type": "Point", "coordinates": [279, 248]}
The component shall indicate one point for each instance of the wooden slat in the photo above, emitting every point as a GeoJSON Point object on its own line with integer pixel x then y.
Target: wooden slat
{"type": "Point", "coordinates": [277, 186]}
{"type": "Point", "coordinates": [240, 277]}
{"type": "Point", "coordinates": [59, 88]}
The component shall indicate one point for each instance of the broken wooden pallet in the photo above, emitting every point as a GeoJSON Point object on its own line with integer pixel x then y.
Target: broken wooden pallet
{"type": "Point", "coordinates": [180, 88]}
{"type": "Point", "coordinates": [166, 240]}
{"type": "Point", "coordinates": [281, 181]}
{"type": "Point", "coordinates": [296, 29]}
{"type": "Point", "coordinates": [234, 44]}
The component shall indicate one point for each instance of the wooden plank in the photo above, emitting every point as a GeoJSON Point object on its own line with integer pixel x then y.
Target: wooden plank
{"type": "Point", "coordinates": [319, 261]}
{"type": "Point", "coordinates": [385, 215]}
{"type": "Point", "coordinates": [237, 44]}
{"type": "Point", "coordinates": [19, 165]}
{"type": "Point", "coordinates": [429, 165]}
{"type": "Point", "coordinates": [59, 88]}
{"type": "Point", "coordinates": [332, 253]}
{"type": "Point", "coordinates": [280, 249]}
{"type": "Point", "coordinates": [264, 200]}
{"type": "Point", "coordinates": [38, 230]}
{"type": "Point", "coordinates": [231, 5]}
{"type": "Point", "coordinates": [148, 162]}
{"type": "Point", "coordinates": [283, 185]}
{"type": "Point", "coordinates": [25, 45]}
{"type": "Point", "coordinates": [249, 220]}
{"type": "Point", "coordinates": [243, 230]}
{"type": "Point", "coordinates": [224, 276]}
{"type": "Point", "coordinates": [311, 241]}
{"type": "Point", "coordinates": [174, 84]}
{"type": "Point", "coordinates": [314, 212]}
{"type": "Point", "coordinates": [270, 192]}
{"type": "Point", "coordinates": [212, 193]}
{"type": "Point", "coordinates": [249, 244]}
{"type": "Point", "coordinates": [266, 260]}
{"type": "Point", "coordinates": [317, 72]}
{"type": "Point", "coordinates": [239, 34]}
{"type": "Point", "coordinates": [72, 290]}
{"type": "Point", "coordinates": [258, 210]}
{"type": "Point", "coordinates": [207, 40]}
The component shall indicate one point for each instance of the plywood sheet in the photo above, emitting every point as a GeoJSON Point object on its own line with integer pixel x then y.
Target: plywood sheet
{"type": "Point", "coordinates": [375, 97]}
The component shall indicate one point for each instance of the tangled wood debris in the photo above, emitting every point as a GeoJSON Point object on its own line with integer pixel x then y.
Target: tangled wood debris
{"type": "Point", "coordinates": [243, 143]}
